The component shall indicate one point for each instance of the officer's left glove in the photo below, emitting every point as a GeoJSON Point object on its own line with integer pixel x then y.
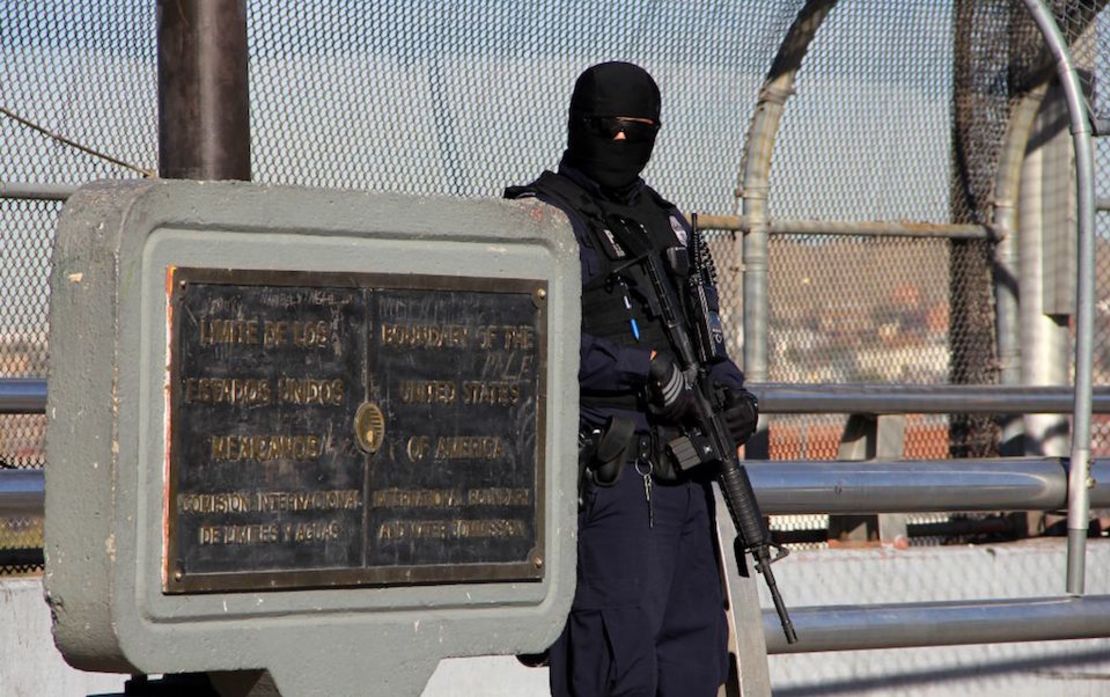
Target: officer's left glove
{"type": "Point", "coordinates": [741, 413]}
{"type": "Point", "coordinates": [670, 397]}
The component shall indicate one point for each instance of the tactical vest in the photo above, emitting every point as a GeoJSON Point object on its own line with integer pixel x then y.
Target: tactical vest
{"type": "Point", "coordinates": [619, 304]}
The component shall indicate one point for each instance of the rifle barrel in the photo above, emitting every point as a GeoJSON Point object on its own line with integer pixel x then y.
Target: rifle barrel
{"type": "Point", "coordinates": [763, 566]}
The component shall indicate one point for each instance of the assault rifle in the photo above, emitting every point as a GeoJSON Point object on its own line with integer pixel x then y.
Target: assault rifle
{"type": "Point", "coordinates": [710, 440]}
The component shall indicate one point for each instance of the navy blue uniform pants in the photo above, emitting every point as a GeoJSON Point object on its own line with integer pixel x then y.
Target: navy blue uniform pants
{"type": "Point", "coordinates": [648, 614]}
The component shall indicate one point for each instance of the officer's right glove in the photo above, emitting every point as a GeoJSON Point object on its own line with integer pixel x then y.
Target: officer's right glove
{"type": "Point", "coordinates": [741, 413]}
{"type": "Point", "coordinates": [670, 397]}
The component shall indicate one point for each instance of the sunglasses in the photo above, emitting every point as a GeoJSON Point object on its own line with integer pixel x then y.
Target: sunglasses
{"type": "Point", "coordinates": [610, 126]}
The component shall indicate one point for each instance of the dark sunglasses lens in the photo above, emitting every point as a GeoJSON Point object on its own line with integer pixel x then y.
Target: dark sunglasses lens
{"type": "Point", "coordinates": [637, 131]}
{"type": "Point", "coordinates": [609, 127]}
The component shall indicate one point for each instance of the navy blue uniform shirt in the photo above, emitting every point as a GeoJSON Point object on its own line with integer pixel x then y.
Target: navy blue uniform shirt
{"type": "Point", "coordinates": [607, 366]}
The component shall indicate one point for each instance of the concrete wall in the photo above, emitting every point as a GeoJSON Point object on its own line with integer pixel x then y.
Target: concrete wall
{"type": "Point", "coordinates": [30, 666]}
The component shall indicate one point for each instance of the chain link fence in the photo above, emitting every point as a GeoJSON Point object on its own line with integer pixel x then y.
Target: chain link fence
{"type": "Point", "coordinates": [920, 120]}
{"type": "Point", "coordinates": [1096, 54]}
{"type": "Point", "coordinates": [82, 71]}
{"type": "Point", "coordinates": [899, 113]}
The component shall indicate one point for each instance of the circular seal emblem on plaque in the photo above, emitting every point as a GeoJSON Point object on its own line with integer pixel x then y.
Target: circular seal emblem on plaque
{"type": "Point", "coordinates": [369, 427]}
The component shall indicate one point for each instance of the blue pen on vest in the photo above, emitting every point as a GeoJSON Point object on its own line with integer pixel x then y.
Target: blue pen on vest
{"type": "Point", "coordinates": [632, 320]}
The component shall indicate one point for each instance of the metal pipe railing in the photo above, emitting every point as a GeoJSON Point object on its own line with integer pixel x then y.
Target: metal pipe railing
{"type": "Point", "coordinates": [33, 191]}
{"type": "Point", "coordinates": [22, 396]}
{"type": "Point", "coordinates": [791, 487]}
{"type": "Point", "coordinates": [864, 228]}
{"type": "Point", "coordinates": [21, 493]}
{"type": "Point", "coordinates": [1078, 502]}
{"type": "Point", "coordinates": [780, 398]}
{"type": "Point", "coordinates": [844, 628]}
{"type": "Point", "coordinates": [837, 487]}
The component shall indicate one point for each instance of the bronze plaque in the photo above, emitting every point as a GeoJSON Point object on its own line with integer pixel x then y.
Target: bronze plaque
{"type": "Point", "coordinates": [330, 429]}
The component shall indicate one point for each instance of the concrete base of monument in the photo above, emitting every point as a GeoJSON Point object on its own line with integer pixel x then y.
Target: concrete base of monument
{"type": "Point", "coordinates": [31, 666]}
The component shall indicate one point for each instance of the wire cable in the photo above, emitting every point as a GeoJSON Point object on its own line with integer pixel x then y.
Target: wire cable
{"type": "Point", "coordinates": [73, 144]}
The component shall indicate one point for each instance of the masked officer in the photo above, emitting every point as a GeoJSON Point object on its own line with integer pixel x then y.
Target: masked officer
{"type": "Point", "coordinates": [648, 612]}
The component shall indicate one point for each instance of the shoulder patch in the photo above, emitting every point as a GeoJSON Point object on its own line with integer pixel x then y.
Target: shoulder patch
{"type": "Point", "coordinates": [679, 231]}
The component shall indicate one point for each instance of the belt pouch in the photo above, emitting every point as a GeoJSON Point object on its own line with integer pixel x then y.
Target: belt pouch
{"type": "Point", "coordinates": [610, 454]}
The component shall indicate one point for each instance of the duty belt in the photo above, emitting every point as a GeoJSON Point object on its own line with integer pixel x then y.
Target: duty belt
{"type": "Point", "coordinates": [603, 453]}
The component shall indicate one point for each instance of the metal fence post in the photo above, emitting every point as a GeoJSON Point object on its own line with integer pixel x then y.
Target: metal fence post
{"type": "Point", "coordinates": [754, 177]}
{"type": "Point", "coordinates": [1007, 283]}
{"type": "Point", "coordinates": [203, 103]}
{"type": "Point", "coordinates": [1079, 474]}
{"type": "Point", "coordinates": [866, 437]}
{"type": "Point", "coordinates": [755, 171]}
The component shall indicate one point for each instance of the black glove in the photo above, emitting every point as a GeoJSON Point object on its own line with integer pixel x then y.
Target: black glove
{"type": "Point", "coordinates": [670, 397]}
{"type": "Point", "coordinates": [741, 412]}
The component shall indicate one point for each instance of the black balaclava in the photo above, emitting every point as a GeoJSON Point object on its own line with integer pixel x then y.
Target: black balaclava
{"type": "Point", "coordinates": [611, 89]}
